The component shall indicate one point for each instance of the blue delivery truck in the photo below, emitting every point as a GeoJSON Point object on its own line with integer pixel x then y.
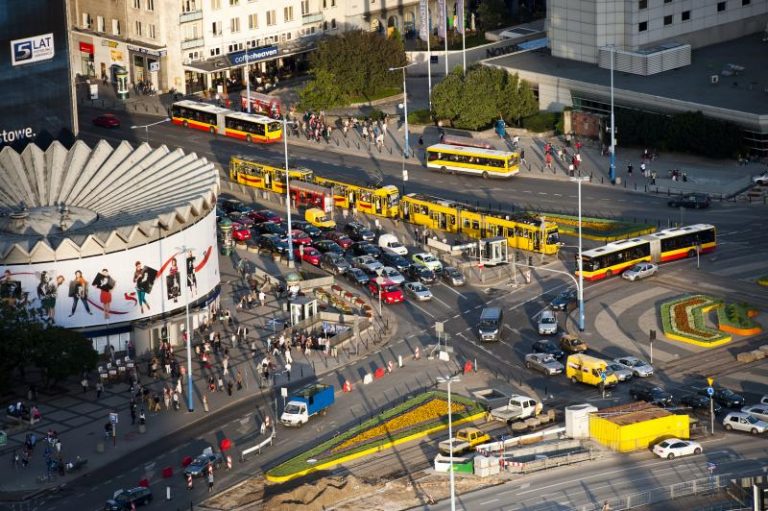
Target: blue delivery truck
{"type": "Point", "coordinates": [306, 402]}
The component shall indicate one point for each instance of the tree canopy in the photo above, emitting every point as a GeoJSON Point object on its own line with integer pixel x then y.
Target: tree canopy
{"type": "Point", "coordinates": [27, 342]}
{"type": "Point", "coordinates": [352, 65]}
{"type": "Point", "coordinates": [474, 101]}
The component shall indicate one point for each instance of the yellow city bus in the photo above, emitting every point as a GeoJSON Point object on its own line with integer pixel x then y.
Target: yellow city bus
{"type": "Point", "coordinates": [245, 171]}
{"type": "Point", "coordinates": [473, 160]}
{"type": "Point", "coordinates": [372, 199]}
{"type": "Point", "coordinates": [523, 232]}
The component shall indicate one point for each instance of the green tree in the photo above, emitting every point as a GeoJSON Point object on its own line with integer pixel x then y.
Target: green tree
{"type": "Point", "coordinates": [60, 353]}
{"type": "Point", "coordinates": [446, 96]}
{"type": "Point", "coordinates": [492, 14]}
{"type": "Point", "coordinates": [19, 330]}
{"type": "Point", "coordinates": [353, 64]}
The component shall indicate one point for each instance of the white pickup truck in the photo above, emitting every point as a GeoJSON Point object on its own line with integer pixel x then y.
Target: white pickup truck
{"type": "Point", "coordinates": [518, 408]}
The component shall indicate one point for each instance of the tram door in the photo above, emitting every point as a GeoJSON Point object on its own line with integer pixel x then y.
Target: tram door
{"type": "Point", "coordinates": [405, 207]}
{"type": "Point", "coordinates": [267, 180]}
{"type": "Point", "coordinates": [377, 205]}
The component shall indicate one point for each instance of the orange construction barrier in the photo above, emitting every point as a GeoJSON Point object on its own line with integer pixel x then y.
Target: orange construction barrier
{"type": "Point", "coordinates": [378, 373]}
{"type": "Point", "coordinates": [347, 387]}
{"type": "Point", "coordinates": [468, 367]}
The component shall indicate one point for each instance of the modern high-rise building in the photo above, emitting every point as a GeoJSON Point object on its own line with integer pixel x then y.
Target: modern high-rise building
{"type": "Point", "coordinates": [37, 102]}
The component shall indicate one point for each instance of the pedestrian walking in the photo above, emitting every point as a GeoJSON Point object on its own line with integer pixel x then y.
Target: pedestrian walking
{"type": "Point", "coordinates": [653, 177]}
{"type": "Point", "coordinates": [230, 386]}
{"type": "Point", "coordinates": [288, 370]}
{"type": "Point", "coordinates": [606, 506]}
{"type": "Point", "coordinates": [262, 298]}
{"type": "Point", "coordinates": [239, 380]}
{"type": "Point", "coordinates": [629, 168]}
{"type": "Point", "coordinates": [205, 402]}
{"type": "Point", "coordinates": [225, 365]}
{"type": "Point", "coordinates": [221, 383]}
{"type": "Point", "coordinates": [643, 169]}
{"type": "Point", "coordinates": [133, 415]}
{"type": "Point", "coordinates": [175, 399]}
{"type": "Point", "coordinates": [522, 158]}
{"type": "Point", "coordinates": [99, 389]}
{"type": "Point", "coordinates": [84, 384]}
{"type": "Point", "coordinates": [210, 482]}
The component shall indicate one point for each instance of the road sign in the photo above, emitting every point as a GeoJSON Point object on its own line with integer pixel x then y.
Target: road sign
{"type": "Point", "coordinates": [710, 381]}
{"type": "Point", "coordinates": [710, 391]}
{"type": "Point", "coordinates": [602, 375]}
{"type": "Point", "coordinates": [711, 467]}
{"type": "Point", "coordinates": [113, 418]}
{"type": "Point", "coordinates": [284, 391]}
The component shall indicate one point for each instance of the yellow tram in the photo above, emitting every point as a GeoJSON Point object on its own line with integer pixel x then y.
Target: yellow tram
{"type": "Point", "coordinates": [263, 176]}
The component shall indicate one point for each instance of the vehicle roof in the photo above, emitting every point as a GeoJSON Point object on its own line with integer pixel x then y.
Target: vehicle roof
{"type": "Point", "coordinates": [675, 231]}
{"type": "Point", "coordinates": [205, 107]}
{"type": "Point", "coordinates": [490, 313]}
{"type": "Point", "coordinates": [448, 148]}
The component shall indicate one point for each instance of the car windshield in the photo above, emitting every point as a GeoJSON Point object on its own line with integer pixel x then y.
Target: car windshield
{"type": "Point", "coordinates": [292, 408]}
{"type": "Point", "coordinates": [418, 287]}
{"type": "Point", "coordinates": [428, 259]}
{"type": "Point", "coordinates": [751, 420]}
{"type": "Point", "coordinates": [547, 320]}
{"type": "Point", "coordinates": [665, 443]}
{"type": "Point", "coordinates": [390, 288]}
{"type": "Point", "coordinates": [727, 393]}
{"type": "Point", "coordinates": [485, 325]}
{"type": "Point", "coordinates": [633, 363]}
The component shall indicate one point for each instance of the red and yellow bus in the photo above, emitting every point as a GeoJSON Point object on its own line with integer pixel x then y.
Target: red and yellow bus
{"type": "Point", "coordinates": [660, 247]}
{"type": "Point", "coordinates": [217, 120]}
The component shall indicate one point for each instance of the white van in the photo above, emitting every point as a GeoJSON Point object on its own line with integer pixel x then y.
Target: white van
{"type": "Point", "coordinates": [389, 243]}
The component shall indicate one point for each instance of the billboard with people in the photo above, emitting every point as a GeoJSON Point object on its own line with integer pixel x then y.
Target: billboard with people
{"type": "Point", "coordinates": [144, 281]}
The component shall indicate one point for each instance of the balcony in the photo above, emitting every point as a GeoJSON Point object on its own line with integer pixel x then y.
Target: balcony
{"type": "Point", "coordinates": [192, 43]}
{"type": "Point", "coordinates": [308, 19]}
{"type": "Point", "coordinates": [191, 16]}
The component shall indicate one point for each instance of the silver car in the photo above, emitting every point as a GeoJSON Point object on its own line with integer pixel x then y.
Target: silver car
{"type": "Point", "coordinates": [547, 323]}
{"type": "Point", "coordinates": [640, 271]}
{"type": "Point", "coordinates": [741, 421]}
{"type": "Point", "coordinates": [418, 290]}
{"type": "Point", "coordinates": [622, 372]}
{"type": "Point", "coordinates": [452, 276]}
{"type": "Point", "coordinates": [638, 367]}
{"type": "Point", "coordinates": [368, 264]}
{"type": "Point", "coordinates": [543, 362]}
{"type": "Point", "coordinates": [392, 274]}
{"type": "Point", "coordinates": [759, 411]}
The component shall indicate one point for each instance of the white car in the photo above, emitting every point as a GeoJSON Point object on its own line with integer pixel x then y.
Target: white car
{"type": "Point", "coordinates": [761, 179]}
{"type": "Point", "coordinates": [638, 367]}
{"type": "Point", "coordinates": [741, 421]}
{"type": "Point", "coordinates": [674, 448]}
{"type": "Point", "coordinates": [640, 271]}
{"type": "Point", "coordinates": [547, 324]}
{"type": "Point", "coordinates": [757, 411]}
{"type": "Point", "coordinates": [418, 291]}
{"type": "Point", "coordinates": [392, 275]}
{"type": "Point", "coordinates": [390, 244]}
{"type": "Point", "coordinates": [427, 260]}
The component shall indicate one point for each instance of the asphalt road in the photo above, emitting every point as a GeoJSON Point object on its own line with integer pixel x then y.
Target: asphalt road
{"type": "Point", "coordinates": [460, 309]}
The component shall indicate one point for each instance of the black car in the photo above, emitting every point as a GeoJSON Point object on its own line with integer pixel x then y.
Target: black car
{"type": "Point", "coordinates": [421, 274]}
{"type": "Point", "coordinates": [273, 243]}
{"type": "Point", "coordinates": [547, 346]}
{"type": "Point", "coordinates": [327, 246]}
{"type": "Point", "coordinates": [651, 393]}
{"type": "Point", "coordinates": [126, 499]}
{"type": "Point", "coordinates": [312, 231]}
{"type": "Point", "coordinates": [564, 299]}
{"type": "Point", "coordinates": [200, 464]}
{"type": "Point", "coordinates": [699, 402]}
{"type": "Point", "coordinates": [357, 276]}
{"type": "Point", "coordinates": [334, 263]}
{"type": "Point", "coordinates": [359, 232]}
{"type": "Point", "coordinates": [365, 248]}
{"type": "Point", "coordinates": [691, 200]}
{"type": "Point", "coordinates": [723, 396]}
{"type": "Point", "coordinates": [397, 262]}
{"type": "Point", "coordinates": [234, 205]}
{"type": "Point", "coordinates": [271, 228]}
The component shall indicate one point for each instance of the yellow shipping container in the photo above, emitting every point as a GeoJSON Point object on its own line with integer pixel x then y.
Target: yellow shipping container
{"type": "Point", "coordinates": [635, 426]}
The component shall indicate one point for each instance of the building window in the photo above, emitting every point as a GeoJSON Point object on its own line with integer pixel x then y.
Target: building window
{"type": "Point", "coordinates": [333, 23]}
{"type": "Point", "coordinates": [288, 13]}
{"type": "Point", "coordinates": [271, 18]}
{"type": "Point", "coordinates": [667, 20]}
{"type": "Point", "coordinates": [642, 4]}
{"type": "Point", "coordinates": [151, 31]}
{"type": "Point", "coordinates": [234, 2]}
{"type": "Point", "coordinates": [137, 4]}
{"type": "Point", "coordinates": [325, 25]}
{"type": "Point", "coordinates": [87, 21]}
{"type": "Point", "coordinates": [115, 27]}
{"type": "Point", "coordinates": [216, 27]}
{"type": "Point", "coordinates": [150, 5]}
{"type": "Point", "coordinates": [686, 15]}
{"type": "Point", "coordinates": [304, 7]}
{"type": "Point", "coordinates": [138, 28]}
{"type": "Point", "coordinates": [643, 26]}
{"type": "Point", "coordinates": [100, 23]}
{"type": "Point", "coordinates": [333, 3]}
{"type": "Point", "coordinates": [215, 52]}
{"type": "Point", "coordinates": [215, 4]}
{"type": "Point", "coordinates": [667, 1]}
{"type": "Point", "coordinates": [253, 21]}
{"type": "Point", "coordinates": [745, 2]}
{"type": "Point", "coordinates": [720, 6]}
{"type": "Point", "coordinates": [234, 25]}
{"type": "Point", "coordinates": [325, 4]}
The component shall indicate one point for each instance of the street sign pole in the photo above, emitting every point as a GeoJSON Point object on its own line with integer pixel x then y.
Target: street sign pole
{"type": "Point", "coordinates": [651, 338]}
{"type": "Point", "coordinates": [711, 393]}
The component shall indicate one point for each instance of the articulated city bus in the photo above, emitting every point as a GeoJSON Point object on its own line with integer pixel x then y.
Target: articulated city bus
{"type": "Point", "coordinates": [524, 232]}
{"type": "Point", "coordinates": [473, 160]}
{"type": "Point", "coordinates": [222, 121]}
{"type": "Point", "coordinates": [659, 247]}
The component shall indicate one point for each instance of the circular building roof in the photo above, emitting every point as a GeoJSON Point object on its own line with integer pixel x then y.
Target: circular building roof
{"type": "Point", "coordinates": [64, 204]}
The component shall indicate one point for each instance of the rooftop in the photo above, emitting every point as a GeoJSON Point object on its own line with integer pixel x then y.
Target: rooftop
{"type": "Point", "coordinates": [742, 92]}
{"type": "Point", "coordinates": [632, 413]}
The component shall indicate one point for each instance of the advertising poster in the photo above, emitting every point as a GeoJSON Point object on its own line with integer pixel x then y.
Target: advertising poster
{"type": "Point", "coordinates": [124, 286]}
{"type": "Point", "coordinates": [441, 27]}
{"type": "Point", "coordinates": [424, 20]}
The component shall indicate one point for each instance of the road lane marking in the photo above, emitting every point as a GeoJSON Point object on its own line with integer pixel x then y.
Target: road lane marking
{"type": "Point", "coordinates": [487, 502]}
{"type": "Point", "coordinates": [450, 288]}
{"type": "Point", "coordinates": [421, 309]}
{"type": "Point", "coordinates": [444, 303]}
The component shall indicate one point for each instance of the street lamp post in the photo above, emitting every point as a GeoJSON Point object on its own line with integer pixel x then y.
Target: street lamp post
{"type": "Point", "coordinates": [146, 127]}
{"type": "Point", "coordinates": [407, 146]}
{"type": "Point", "coordinates": [448, 380]}
{"type": "Point", "coordinates": [188, 336]}
{"type": "Point", "coordinates": [580, 287]}
{"type": "Point", "coordinates": [287, 191]}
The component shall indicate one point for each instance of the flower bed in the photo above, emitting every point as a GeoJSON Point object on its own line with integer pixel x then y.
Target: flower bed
{"type": "Point", "coordinates": [415, 418]}
{"type": "Point", "coordinates": [684, 320]}
{"type": "Point", "coordinates": [599, 229]}
{"type": "Point", "coordinates": [736, 318]}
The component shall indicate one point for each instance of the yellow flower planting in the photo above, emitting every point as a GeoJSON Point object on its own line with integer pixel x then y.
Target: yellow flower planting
{"type": "Point", "coordinates": [427, 412]}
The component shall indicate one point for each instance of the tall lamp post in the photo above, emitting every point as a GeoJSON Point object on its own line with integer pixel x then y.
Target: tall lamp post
{"type": "Point", "coordinates": [146, 127]}
{"type": "Point", "coordinates": [188, 335]}
{"type": "Point", "coordinates": [407, 148]}
{"type": "Point", "coordinates": [448, 380]}
{"type": "Point", "coordinates": [612, 173]}
{"type": "Point", "coordinates": [287, 191]}
{"type": "Point", "coordinates": [580, 287]}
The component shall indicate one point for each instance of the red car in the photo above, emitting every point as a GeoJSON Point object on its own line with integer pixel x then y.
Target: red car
{"type": "Point", "coordinates": [265, 215]}
{"type": "Point", "coordinates": [241, 234]}
{"type": "Point", "coordinates": [390, 292]}
{"type": "Point", "coordinates": [341, 239]}
{"type": "Point", "coordinates": [311, 255]}
{"type": "Point", "coordinates": [300, 237]}
{"type": "Point", "coordinates": [107, 121]}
